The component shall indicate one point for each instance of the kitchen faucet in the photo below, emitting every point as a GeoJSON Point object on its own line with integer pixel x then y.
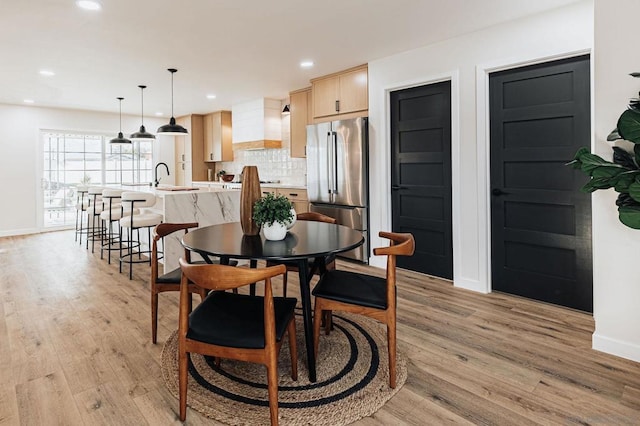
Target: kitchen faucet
{"type": "Point", "coordinates": [156, 181]}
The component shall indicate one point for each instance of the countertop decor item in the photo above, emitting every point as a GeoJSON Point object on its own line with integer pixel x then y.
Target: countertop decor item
{"type": "Point", "coordinates": [249, 194]}
{"type": "Point", "coordinates": [273, 212]}
{"type": "Point", "coordinates": [623, 174]}
{"type": "Point", "coordinates": [227, 178]}
{"type": "Point", "coordinates": [172, 129]}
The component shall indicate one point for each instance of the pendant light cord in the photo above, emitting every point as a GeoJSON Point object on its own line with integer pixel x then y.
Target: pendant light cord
{"type": "Point", "coordinates": [142, 105]}
{"type": "Point", "coordinates": [120, 99]}
{"type": "Point", "coordinates": [172, 72]}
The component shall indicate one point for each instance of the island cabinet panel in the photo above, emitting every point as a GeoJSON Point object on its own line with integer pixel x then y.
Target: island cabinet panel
{"type": "Point", "coordinates": [300, 107]}
{"type": "Point", "coordinates": [189, 161]}
{"type": "Point", "coordinates": [217, 136]}
{"type": "Point", "coordinates": [343, 93]}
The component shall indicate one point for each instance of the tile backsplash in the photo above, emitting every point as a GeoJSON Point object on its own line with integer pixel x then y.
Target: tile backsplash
{"type": "Point", "coordinates": [273, 164]}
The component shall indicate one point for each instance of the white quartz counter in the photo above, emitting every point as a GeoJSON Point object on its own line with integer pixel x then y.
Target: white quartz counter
{"type": "Point", "coordinates": [236, 185]}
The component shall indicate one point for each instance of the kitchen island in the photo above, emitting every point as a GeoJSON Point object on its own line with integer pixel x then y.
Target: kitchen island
{"type": "Point", "coordinates": [207, 206]}
{"type": "Point", "coordinates": [210, 207]}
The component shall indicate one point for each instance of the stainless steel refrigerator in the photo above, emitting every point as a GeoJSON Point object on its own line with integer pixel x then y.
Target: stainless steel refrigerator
{"type": "Point", "coordinates": [337, 175]}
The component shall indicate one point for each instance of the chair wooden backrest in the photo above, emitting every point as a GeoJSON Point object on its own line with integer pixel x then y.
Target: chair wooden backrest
{"type": "Point", "coordinates": [316, 217]}
{"type": "Point", "coordinates": [401, 244]}
{"type": "Point", "coordinates": [161, 231]}
{"type": "Point", "coordinates": [224, 277]}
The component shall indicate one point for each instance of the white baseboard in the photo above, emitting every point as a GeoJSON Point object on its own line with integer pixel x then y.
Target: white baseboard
{"type": "Point", "coordinates": [14, 232]}
{"type": "Point", "coordinates": [473, 285]}
{"type": "Point", "coordinates": [616, 347]}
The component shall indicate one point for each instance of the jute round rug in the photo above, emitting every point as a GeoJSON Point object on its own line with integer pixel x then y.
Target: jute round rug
{"type": "Point", "coordinates": [352, 372]}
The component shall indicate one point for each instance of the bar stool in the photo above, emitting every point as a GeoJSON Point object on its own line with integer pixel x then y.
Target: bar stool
{"type": "Point", "coordinates": [82, 202]}
{"type": "Point", "coordinates": [112, 212]}
{"type": "Point", "coordinates": [131, 201]}
{"type": "Point", "coordinates": [94, 226]}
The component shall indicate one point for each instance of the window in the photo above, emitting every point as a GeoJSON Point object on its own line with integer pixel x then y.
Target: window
{"type": "Point", "coordinates": [73, 159]}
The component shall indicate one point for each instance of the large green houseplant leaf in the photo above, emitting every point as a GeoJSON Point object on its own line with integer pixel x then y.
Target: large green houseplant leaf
{"type": "Point", "coordinates": [622, 174]}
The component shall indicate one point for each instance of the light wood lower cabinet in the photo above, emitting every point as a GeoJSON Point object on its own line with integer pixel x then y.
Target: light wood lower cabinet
{"type": "Point", "coordinates": [298, 197]}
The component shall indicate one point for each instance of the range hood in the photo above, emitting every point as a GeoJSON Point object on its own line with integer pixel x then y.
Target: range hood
{"type": "Point", "coordinates": [257, 124]}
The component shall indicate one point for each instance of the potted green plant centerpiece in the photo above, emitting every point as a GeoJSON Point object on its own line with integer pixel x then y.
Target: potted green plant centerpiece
{"type": "Point", "coordinates": [623, 173]}
{"type": "Point", "coordinates": [273, 213]}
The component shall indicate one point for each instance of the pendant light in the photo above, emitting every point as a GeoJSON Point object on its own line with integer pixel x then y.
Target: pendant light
{"type": "Point", "coordinates": [120, 139]}
{"type": "Point", "coordinates": [142, 134]}
{"type": "Point", "coordinates": [172, 129]}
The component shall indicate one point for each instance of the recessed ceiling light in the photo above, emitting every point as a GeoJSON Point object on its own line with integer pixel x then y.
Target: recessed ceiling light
{"type": "Point", "coordinates": [29, 101]}
{"type": "Point", "coordinates": [211, 96]}
{"type": "Point", "coordinates": [306, 64]}
{"type": "Point", "coordinates": [47, 73]}
{"type": "Point", "coordinates": [89, 4]}
{"type": "Point", "coordinates": [159, 114]}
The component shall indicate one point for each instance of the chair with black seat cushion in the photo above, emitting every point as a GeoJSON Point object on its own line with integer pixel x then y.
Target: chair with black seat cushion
{"type": "Point", "coordinates": [168, 281]}
{"type": "Point", "coordinates": [293, 266]}
{"type": "Point", "coordinates": [235, 326]}
{"type": "Point", "coordinates": [364, 294]}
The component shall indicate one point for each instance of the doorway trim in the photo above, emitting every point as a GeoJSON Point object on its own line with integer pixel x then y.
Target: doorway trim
{"type": "Point", "coordinates": [453, 77]}
{"type": "Point", "coordinates": [483, 142]}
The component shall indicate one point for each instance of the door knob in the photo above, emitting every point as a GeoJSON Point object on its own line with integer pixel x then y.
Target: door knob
{"type": "Point", "coordinates": [497, 192]}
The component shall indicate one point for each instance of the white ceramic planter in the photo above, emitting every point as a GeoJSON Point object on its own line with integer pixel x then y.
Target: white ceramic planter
{"type": "Point", "coordinates": [292, 221]}
{"type": "Point", "coordinates": [275, 232]}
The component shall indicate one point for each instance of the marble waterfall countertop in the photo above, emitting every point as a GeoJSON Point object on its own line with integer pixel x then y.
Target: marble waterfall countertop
{"type": "Point", "coordinates": [205, 207]}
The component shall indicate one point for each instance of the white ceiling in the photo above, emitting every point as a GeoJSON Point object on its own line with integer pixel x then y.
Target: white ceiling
{"type": "Point", "coordinates": [237, 49]}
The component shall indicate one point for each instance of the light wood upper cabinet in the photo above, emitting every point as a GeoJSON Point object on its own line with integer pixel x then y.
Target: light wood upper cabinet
{"type": "Point", "coordinates": [189, 151]}
{"type": "Point", "coordinates": [217, 136]}
{"type": "Point", "coordinates": [300, 107]}
{"type": "Point", "coordinates": [341, 93]}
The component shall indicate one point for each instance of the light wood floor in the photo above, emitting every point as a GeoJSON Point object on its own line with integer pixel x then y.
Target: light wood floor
{"type": "Point", "coordinates": [75, 348]}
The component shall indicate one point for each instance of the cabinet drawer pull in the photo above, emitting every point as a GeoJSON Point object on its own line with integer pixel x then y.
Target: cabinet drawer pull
{"type": "Point", "coordinates": [292, 194]}
{"type": "Point", "coordinates": [337, 106]}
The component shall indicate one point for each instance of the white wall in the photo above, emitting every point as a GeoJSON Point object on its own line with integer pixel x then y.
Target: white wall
{"type": "Point", "coordinates": [616, 248]}
{"type": "Point", "coordinates": [21, 154]}
{"type": "Point", "coordinates": [465, 61]}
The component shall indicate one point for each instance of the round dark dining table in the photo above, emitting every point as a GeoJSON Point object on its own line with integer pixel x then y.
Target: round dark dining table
{"type": "Point", "coordinates": [306, 241]}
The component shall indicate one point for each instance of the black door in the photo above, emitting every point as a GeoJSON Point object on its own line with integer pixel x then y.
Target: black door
{"type": "Point", "coordinates": [540, 221]}
{"type": "Point", "coordinates": [421, 175]}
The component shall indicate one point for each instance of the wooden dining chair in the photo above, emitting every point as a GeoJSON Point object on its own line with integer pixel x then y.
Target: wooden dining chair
{"type": "Point", "coordinates": [364, 294]}
{"type": "Point", "coordinates": [293, 266]}
{"type": "Point", "coordinates": [235, 326]}
{"type": "Point", "coordinates": [169, 281]}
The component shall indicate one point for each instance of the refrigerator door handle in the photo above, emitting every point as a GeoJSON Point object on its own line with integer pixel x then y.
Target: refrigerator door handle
{"type": "Point", "coordinates": [329, 163]}
{"type": "Point", "coordinates": [335, 162]}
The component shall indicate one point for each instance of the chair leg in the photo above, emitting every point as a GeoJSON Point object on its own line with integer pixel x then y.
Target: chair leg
{"type": "Point", "coordinates": [154, 314]}
{"type": "Point", "coordinates": [131, 253]}
{"type": "Point", "coordinates": [293, 349]}
{"type": "Point", "coordinates": [182, 383]}
{"type": "Point", "coordinates": [391, 348]}
{"type": "Point", "coordinates": [272, 385]}
{"type": "Point", "coordinates": [284, 284]}
{"type": "Point", "coordinates": [317, 315]}
{"type": "Point", "coordinates": [203, 294]}
{"type": "Point", "coordinates": [328, 322]}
